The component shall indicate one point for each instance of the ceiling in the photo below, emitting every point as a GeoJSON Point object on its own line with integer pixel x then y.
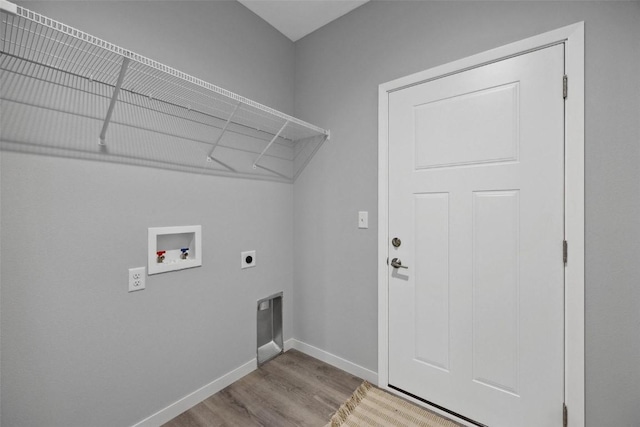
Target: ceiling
{"type": "Point", "coordinates": [297, 18]}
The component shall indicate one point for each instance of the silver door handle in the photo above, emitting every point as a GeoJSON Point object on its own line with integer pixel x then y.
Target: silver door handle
{"type": "Point", "coordinates": [396, 263]}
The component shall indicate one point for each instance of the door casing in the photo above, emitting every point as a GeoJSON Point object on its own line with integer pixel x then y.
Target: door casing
{"type": "Point", "coordinates": [573, 38]}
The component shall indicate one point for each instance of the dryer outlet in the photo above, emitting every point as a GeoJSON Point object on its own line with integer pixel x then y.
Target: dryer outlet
{"type": "Point", "coordinates": [247, 259]}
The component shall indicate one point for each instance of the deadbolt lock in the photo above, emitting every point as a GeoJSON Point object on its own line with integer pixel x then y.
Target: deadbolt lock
{"type": "Point", "coordinates": [396, 242]}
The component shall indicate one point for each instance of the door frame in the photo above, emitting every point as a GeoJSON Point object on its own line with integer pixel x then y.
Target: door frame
{"type": "Point", "coordinates": [574, 366]}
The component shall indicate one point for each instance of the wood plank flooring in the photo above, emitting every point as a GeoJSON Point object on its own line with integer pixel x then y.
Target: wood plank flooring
{"type": "Point", "coordinates": [291, 390]}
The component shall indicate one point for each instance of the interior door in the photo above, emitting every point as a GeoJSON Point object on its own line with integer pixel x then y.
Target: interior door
{"type": "Point", "coordinates": [476, 281]}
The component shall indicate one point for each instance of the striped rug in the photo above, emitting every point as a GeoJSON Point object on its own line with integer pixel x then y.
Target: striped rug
{"type": "Point", "coordinates": [371, 407]}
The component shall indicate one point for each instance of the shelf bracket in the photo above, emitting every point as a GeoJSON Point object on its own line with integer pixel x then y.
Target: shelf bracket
{"type": "Point", "coordinates": [114, 98]}
{"type": "Point", "coordinates": [255, 164]}
{"type": "Point", "coordinates": [325, 137]}
{"type": "Point", "coordinates": [224, 129]}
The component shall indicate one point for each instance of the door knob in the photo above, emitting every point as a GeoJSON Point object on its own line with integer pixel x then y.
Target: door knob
{"type": "Point", "coordinates": [396, 263]}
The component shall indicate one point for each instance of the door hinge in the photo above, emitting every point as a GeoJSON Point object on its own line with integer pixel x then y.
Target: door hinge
{"type": "Point", "coordinates": [387, 260]}
{"type": "Point", "coordinates": [565, 415]}
{"type": "Point", "coordinates": [565, 251]}
{"type": "Point", "coordinates": [565, 86]}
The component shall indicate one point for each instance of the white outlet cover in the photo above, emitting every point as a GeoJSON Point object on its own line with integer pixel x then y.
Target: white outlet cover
{"type": "Point", "coordinates": [247, 259]}
{"type": "Point", "coordinates": [137, 279]}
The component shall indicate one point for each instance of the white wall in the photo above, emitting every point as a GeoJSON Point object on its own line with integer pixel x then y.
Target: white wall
{"type": "Point", "coordinates": [77, 348]}
{"type": "Point", "coordinates": [338, 70]}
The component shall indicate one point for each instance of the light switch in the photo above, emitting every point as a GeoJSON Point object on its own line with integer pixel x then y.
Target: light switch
{"type": "Point", "coordinates": [363, 219]}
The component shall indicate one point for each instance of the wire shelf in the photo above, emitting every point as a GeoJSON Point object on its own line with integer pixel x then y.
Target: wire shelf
{"type": "Point", "coordinates": [96, 79]}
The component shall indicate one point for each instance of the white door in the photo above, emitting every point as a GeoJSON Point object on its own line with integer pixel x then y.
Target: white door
{"type": "Point", "coordinates": [476, 193]}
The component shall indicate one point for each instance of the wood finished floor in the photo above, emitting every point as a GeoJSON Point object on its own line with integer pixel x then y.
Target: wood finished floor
{"type": "Point", "coordinates": [291, 390]}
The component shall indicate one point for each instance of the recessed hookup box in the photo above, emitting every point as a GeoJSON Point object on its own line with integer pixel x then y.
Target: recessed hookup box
{"type": "Point", "coordinates": [174, 248]}
{"type": "Point", "coordinates": [270, 342]}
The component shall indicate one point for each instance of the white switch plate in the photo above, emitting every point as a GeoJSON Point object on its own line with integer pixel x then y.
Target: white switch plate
{"type": "Point", "coordinates": [137, 278]}
{"type": "Point", "coordinates": [363, 219]}
{"type": "Point", "coordinates": [247, 259]}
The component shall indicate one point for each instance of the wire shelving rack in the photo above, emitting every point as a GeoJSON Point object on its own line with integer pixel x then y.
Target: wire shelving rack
{"type": "Point", "coordinates": [49, 66]}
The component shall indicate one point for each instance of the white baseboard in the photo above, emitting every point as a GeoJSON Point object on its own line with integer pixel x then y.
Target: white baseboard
{"type": "Point", "coordinates": [192, 399]}
{"type": "Point", "coordinates": [288, 344]}
{"type": "Point", "coordinates": [333, 360]}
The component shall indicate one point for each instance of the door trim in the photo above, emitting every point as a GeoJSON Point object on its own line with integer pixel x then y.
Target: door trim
{"type": "Point", "coordinates": [573, 38]}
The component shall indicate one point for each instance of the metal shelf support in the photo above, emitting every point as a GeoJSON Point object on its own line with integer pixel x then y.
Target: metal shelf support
{"type": "Point", "coordinates": [326, 137]}
{"type": "Point", "coordinates": [114, 99]}
{"type": "Point", "coordinates": [255, 164]}
{"type": "Point", "coordinates": [224, 129]}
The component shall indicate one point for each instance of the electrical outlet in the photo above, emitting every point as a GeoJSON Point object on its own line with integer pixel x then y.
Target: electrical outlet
{"type": "Point", "coordinates": [137, 278]}
{"type": "Point", "coordinates": [247, 259]}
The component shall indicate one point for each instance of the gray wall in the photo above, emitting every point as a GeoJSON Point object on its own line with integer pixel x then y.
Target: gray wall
{"type": "Point", "coordinates": [77, 349]}
{"type": "Point", "coordinates": [69, 233]}
{"type": "Point", "coordinates": [338, 70]}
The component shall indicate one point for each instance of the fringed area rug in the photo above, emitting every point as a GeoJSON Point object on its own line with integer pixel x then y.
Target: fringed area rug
{"type": "Point", "coordinates": [371, 407]}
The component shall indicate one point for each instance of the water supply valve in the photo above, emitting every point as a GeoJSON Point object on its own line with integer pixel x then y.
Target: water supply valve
{"type": "Point", "coordinates": [160, 258]}
{"type": "Point", "coordinates": [185, 253]}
